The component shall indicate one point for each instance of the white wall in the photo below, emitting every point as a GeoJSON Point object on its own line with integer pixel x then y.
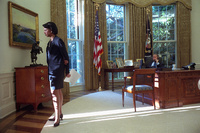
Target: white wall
{"type": "Point", "coordinates": [11, 57]}
{"type": "Point", "coordinates": [195, 22]}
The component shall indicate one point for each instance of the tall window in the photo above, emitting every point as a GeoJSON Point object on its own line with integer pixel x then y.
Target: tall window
{"type": "Point", "coordinates": [115, 16]}
{"type": "Point", "coordinates": [74, 28]}
{"type": "Point", "coordinates": [164, 33]}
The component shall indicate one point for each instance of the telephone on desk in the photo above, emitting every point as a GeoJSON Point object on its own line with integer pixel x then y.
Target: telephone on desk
{"type": "Point", "coordinates": [191, 66]}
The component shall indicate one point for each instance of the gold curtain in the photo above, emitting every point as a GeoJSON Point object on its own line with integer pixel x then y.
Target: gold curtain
{"type": "Point", "coordinates": [103, 30]}
{"type": "Point", "coordinates": [145, 3]}
{"type": "Point", "coordinates": [58, 16]}
{"type": "Point", "coordinates": [183, 35]}
{"type": "Point", "coordinates": [91, 76]}
{"type": "Point", "coordinates": [137, 30]}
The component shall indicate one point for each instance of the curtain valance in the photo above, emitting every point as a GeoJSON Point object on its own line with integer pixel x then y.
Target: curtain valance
{"type": "Point", "coordinates": [145, 3]}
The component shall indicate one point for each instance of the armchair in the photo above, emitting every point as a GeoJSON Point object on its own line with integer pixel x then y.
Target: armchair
{"type": "Point", "coordinates": [140, 86]}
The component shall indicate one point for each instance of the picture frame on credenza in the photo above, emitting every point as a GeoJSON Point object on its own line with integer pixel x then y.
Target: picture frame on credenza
{"type": "Point", "coordinates": [120, 62]}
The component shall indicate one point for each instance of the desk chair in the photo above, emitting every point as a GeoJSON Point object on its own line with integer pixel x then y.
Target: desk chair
{"type": "Point", "coordinates": [144, 85]}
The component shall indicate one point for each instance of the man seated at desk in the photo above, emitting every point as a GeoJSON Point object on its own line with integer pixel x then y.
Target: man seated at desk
{"type": "Point", "coordinates": [154, 62]}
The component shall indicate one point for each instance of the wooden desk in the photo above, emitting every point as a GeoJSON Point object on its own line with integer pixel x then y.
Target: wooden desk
{"type": "Point", "coordinates": [113, 70]}
{"type": "Point", "coordinates": [173, 88]}
{"type": "Point", "coordinates": [176, 88]}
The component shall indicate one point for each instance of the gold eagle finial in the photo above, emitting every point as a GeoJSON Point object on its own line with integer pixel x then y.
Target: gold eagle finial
{"type": "Point", "coordinates": [147, 10]}
{"type": "Point", "coordinates": [97, 6]}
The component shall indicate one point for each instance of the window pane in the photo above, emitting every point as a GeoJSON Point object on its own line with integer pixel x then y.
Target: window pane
{"type": "Point", "coordinates": [75, 51]}
{"type": "Point", "coordinates": [71, 31]}
{"type": "Point", "coordinates": [164, 23]}
{"type": "Point", "coordinates": [120, 35]}
{"type": "Point", "coordinates": [115, 34]}
{"type": "Point", "coordinates": [155, 31]}
{"type": "Point", "coordinates": [171, 47]}
{"type": "Point", "coordinates": [75, 46]}
{"type": "Point", "coordinates": [162, 29]}
{"type": "Point", "coordinates": [121, 49]}
{"type": "Point", "coordinates": [156, 48]}
{"type": "Point", "coordinates": [72, 15]}
{"type": "Point", "coordinates": [113, 58]}
{"type": "Point", "coordinates": [162, 11]}
{"type": "Point", "coordinates": [155, 11]}
{"type": "Point", "coordinates": [171, 59]}
{"type": "Point", "coordinates": [164, 35]}
{"type": "Point", "coordinates": [72, 19]}
{"type": "Point", "coordinates": [121, 75]}
{"type": "Point", "coordinates": [114, 48]}
{"type": "Point", "coordinates": [163, 48]}
{"type": "Point", "coordinates": [170, 11]}
{"type": "Point", "coordinates": [171, 22]}
{"type": "Point", "coordinates": [115, 22]}
{"type": "Point", "coordinates": [109, 48]}
{"type": "Point", "coordinates": [108, 35]}
{"type": "Point", "coordinates": [170, 35]}
{"type": "Point", "coordinates": [120, 23]}
{"type": "Point", "coordinates": [70, 5]}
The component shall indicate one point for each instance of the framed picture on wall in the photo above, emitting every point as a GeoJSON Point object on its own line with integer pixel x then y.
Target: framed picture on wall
{"type": "Point", "coordinates": [23, 26]}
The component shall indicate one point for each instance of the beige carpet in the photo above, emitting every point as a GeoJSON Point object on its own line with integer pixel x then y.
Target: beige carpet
{"type": "Point", "coordinates": [102, 112]}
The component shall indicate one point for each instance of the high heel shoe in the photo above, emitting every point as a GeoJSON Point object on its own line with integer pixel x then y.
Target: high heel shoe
{"type": "Point", "coordinates": [61, 116]}
{"type": "Point", "coordinates": [53, 119]}
{"type": "Point", "coordinates": [56, 124]}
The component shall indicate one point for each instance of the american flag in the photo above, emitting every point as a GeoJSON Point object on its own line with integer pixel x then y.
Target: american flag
{"type": "Point", "coordinates": [148, 43]}
{"type": "Point", "coordinates": [98, 49]}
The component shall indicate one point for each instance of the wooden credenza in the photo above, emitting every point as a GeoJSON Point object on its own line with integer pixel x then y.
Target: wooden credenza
{"type": "Point", "coordinates": [32, 86]}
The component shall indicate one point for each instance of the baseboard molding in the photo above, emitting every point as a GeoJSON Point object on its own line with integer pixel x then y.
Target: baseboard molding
{"type": "Point", "coordinates": [7, 94]}
{"type": "Point", "coordinates": [76, 88]}
{"type": "Point", "coordinates": [7, 110]}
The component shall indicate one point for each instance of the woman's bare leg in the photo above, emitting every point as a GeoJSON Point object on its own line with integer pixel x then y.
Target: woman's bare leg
{"type": "Point", "coordinates": [61, 100]}
{"type": "Point", "coordinates": [56, 104]}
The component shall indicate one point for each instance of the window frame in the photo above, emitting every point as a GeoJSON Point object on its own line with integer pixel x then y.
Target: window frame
{"type": "Point", "coordinates": [125, 38]}
{"type": "Point", "coordinates": [168, 41]}
{"type": "Point", "coordinates": [79, 37]}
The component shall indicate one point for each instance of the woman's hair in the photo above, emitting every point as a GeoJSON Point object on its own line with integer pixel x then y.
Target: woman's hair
{"type": "Point", "coordinates": [52, 26]}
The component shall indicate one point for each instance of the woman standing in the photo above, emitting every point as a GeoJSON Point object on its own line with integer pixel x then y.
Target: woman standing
{"type": "Point", "coordinates": [58, 61]}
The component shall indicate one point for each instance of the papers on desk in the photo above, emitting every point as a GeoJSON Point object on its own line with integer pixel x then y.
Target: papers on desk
{"type": "Point", "coordinates": [73, 78]}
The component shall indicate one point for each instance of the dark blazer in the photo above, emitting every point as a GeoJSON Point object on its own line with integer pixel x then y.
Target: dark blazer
{"type": "Point", "coordinates": [56, 54]}
{"type": "Point", "coordinates": [149, 61]}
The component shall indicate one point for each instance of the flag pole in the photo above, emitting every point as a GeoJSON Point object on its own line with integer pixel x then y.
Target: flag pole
{"type": "Point", "coordinates": [147, 12]}
{"type": "Point", "coordinates": [99, 77]}
{"type": "Point", "coordinates": [148, 43]}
